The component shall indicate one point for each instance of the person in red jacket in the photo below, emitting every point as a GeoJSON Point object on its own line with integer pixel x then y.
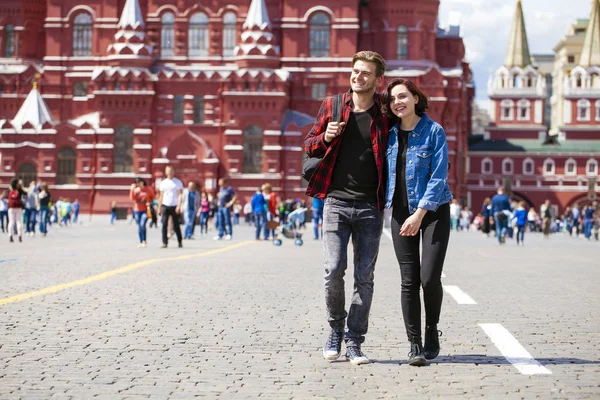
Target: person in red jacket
{"type": "Point", "coordinates": [15, 209]}
{"type": "Point", "coordinates": [271, 199]}
{"type": "Point", "coordinates": [350, 178]}
{"type": "Point", "coordinates": [142, 197]}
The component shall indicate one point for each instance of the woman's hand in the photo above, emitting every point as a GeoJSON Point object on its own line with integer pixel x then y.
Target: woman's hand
{"type": "Point", "coordinates": [411, 225]}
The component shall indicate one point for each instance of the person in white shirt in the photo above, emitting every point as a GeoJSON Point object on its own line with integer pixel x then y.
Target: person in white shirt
{"type": "Point", "coordinates": [169, 204]}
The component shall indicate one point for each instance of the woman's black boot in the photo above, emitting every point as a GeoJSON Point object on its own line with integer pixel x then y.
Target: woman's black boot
{"type": "Point", "coordinates": [415, 355]}
{"type": "Point", "coordinates": [432, 342]}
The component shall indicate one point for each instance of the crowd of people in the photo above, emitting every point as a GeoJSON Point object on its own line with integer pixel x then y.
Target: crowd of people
{"type": "Point", "coordinates": [23, 210]}
{"type": "Point", "coordinates": [509, 218]}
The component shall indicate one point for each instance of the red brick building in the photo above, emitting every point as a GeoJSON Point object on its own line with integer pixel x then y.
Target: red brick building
{"type": "Point", "coordinates": [216, 88]}
{"type": "Point", "coordinates": [517, 152]}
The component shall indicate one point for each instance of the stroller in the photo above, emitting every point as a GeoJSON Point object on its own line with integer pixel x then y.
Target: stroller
{"type": "Point", "coordinates": [289, 229]}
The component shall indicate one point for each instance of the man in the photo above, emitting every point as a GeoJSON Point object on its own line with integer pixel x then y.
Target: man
{"type": "Point", "coordinates": [189, 206]}
{"type": "Point", "coordinates": [546, 213]}
{"type": "Point", "coordinates": [76, 208]}
{"type": "Point", "coordinates": [30, 210]}
{"type": "Point", "coordinates": [226, 199]}
{"type": "Point", "coordinates": [350, 179]}
{"type": "Point", "coordinates": [500, 208]}
{"type": "Point", "coordinates": [576, 212]}
{"type": "Point", "coordinates": [169, 204]}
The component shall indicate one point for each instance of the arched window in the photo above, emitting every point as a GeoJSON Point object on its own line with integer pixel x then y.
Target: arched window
{"type": "Point", "coordinates": [506, 110]}
{"type": "Point", "coordinates": [82, 35]}
{"type": "Point", "coordinates": [524, 110]}
{"type": "Point", "coordinates": [594, 81]}
{"type": "Point", "coordinates": [591, 167]}
{"type": "Point", "coordinates": [198, 35]}
{"type": "Point", "coordinates": [549, 166]}
{"type": "Point", "coordinates": [515, 81]}
{"type": "Point", "coordinates": [402, 43]}
{"type": "Point", "coordinates": [528, 166]}
{"type": "Point", "coordinates": [253, 144]}
{"type": "Point", "coordinates": [27, 173]}
{"type": "Point", "coordinates": [229, 34]}
{"type": "Point", "coordinates": [583, 110]}
{"type": "Point", "coordinates": [9, 41]}
{"type": "Point", "coordinates": [66, 165]}
{"type": "Point", "coordinates": [570, 167]}
{"type": "Point", "coordinates": [198, 110]}
{"type": "Point", "coordinates": [507, 166]}
{"type": "Point", "coordinates": [487, 166]}
{"type": "Point", "coordinates": [167, 35]}
{"type": "Point", "coordinates": [319, 35]}
{"type": "Point", "coordinates": [178, 110]}
{"type": "Point", "coordinates": [123, 157]}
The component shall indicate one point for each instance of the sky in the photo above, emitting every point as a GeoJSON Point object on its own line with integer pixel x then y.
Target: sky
{"type": "Point", "coordinates": [485, 28]}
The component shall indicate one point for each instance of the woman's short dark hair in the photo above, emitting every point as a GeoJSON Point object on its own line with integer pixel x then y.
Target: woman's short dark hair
{"type": "Point", "coordinates": [420, 107]}
{"type": "Point", "coordinates": [14, 183]}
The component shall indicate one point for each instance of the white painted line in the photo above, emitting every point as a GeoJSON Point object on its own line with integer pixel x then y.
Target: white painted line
{"type": "Point", "coordinates": [389, 235]}
{"type": "Point", "coordinates": [460, 296]}
{"type": "Point", "coordinates": [512, 350]}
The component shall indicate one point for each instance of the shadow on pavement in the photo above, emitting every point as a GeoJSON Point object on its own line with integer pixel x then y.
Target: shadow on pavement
{"type": "Point", "coordinates": [477, 359]}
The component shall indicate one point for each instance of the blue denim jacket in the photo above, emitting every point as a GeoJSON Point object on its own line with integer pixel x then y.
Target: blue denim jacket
{"type": "Point", "coordinates": [426, 166]}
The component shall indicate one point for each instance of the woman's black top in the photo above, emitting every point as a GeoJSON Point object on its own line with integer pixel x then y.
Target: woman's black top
{"type": "Point", "coordinates": [400, 195]}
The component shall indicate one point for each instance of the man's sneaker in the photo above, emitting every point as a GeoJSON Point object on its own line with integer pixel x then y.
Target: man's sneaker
{"type": "Point", "coordinates": [333, 347]}
{"type": "Point", "coordinates": [218, 238]}
{"type": "Point", "coordinates": [228, 237]}
{"type": "Point", "coordinates": [432, 342]}
{"type": "Point", "coordinates": [354, 354]}
{"type": "Point", "coordinates": [415, 355]}
{"type": "Point", "coordinates": [164, 246]}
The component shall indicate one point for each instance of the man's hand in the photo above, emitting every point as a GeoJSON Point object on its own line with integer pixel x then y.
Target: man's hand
{"type": "Point", "coordinates": [177, 210]}
{"type": "Point", "coordinates": [159, 210]}
{"type": "Point", "coordinates": [334, 129]}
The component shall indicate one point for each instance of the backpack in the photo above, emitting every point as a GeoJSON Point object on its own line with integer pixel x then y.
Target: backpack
{"type": "Point", "coordinates": [14, 199]}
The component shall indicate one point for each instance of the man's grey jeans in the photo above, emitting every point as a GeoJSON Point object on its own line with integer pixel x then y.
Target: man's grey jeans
{"type": "Point", "coordinates": [363, 222]}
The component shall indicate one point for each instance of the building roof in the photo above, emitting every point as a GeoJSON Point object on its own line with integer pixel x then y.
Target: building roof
{"type": "Point", "coordinates": [257, 15]}
{"type": "Point", "coordinates": [590, 53]}
{"type": "Point", "coordinates": [33, 111]}
{"type": "Point", "coordinates": [132, 15]}
{"type": "Point", "coordinates": [536, 146]}
{"type": "Point", "coordinates": [518, 47]}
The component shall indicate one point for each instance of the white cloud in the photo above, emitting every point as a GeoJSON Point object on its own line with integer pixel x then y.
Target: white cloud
{"type": "Point", "coordinates": [486, 27]}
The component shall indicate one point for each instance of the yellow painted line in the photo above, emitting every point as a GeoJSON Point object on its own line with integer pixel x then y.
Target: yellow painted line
{"type": "Point", "coordinates": [108, 274]}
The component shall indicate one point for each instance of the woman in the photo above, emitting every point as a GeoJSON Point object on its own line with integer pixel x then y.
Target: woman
{"type": "Point", "coordinates": [15, 209]}
{"type": "Point", "coordinates": [203, 213]}
{"type": "Point", "coordinates": [142, 196]}
{"type": "Point", "coordinates": [44, 200]}
{"type": "Point", "coordinates": [486, 215]}
{"type": "Point", "coordinates": [417, 189]}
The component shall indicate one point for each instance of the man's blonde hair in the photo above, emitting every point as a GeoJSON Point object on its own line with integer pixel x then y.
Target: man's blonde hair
{"type": "Point", "coordinates": [371, 56]}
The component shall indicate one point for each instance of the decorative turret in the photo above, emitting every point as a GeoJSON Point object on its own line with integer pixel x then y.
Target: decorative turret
{"type": "Point", "coordinates": [34, 113]}
{"type": "Point", "coordinates": [257, 44]}
{"type": "Point", "coordinates": [130, 40]}
{"type": "Point", "coordinates": [590, 54]}
{"type": "Point", "coordinates": [518, 48]}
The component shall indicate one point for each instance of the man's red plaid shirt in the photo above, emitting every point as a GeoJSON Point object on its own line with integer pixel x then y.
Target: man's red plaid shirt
{"type": "Point", "coordinates": [315, 146]}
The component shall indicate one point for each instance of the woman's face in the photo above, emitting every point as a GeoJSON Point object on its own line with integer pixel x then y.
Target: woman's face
{"type": "Point", "coordinates": [402, 101]}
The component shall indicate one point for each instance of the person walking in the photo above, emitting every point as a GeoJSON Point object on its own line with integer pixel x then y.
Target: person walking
{"type": "Point", "coordinates": [350, 178]}
{"type": "Point", "coordinates": [417, 190]}
{"type": "Point", "coordinates": [576, 214]}
{"type": "Point", "coordinates": [203, 213]}
{"type": "Point", "coordinates": [3, 211]}
{"type": "Point", "coordinates": [454, 214]}
{"type": "Point", "coordinates": [142, 196]}
{"type": "Point", "coordinates": [259, 209]}
{"type": "Point", "coordinates": [532, 219]}
{"type": "Point", "coordinates": [520, 217]}
{"type": "Point", "coordinates": [15, 210]}
{"type": "Point", "coordinates": [317, 216]}
{"type": "Point", "coordinates": [169, 205]}
{"type": "Point", "coordinates": [190, 204]}
{"type": "Point", "coordinates": [500, 210]}
{"type": "Point", "coordinates": [271, 209]}
{"type": "Point", "coordinates": [226, 199]}
{"type": "Point", "coordinates": [546, 213]}
{"type": "Point", "coordinates": [237, 210]}
{"type": "Point", "coordinates": [588, 221]}
{"type": "Point", "coordinates": [30, 209]}
{"type": "Point", "coordinates": [486, 216]}
{"type": "Point", "coordinates": [44, 202]}
{"type": "Point", "coordinates": [76, 208]}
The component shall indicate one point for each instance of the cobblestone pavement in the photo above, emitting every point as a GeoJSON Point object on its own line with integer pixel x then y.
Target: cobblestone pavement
{"type": "Point", "coordinates": [248, 321]}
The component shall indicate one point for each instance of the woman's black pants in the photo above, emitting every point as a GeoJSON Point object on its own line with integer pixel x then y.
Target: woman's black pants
{"type": "Point", "coordinates": [426, 270]}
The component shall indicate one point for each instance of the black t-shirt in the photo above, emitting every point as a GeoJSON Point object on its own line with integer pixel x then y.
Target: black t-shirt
{"type": "Point", "coordinates": [355, 174]}
{"type": "Point", "coordinates": [400, 193]}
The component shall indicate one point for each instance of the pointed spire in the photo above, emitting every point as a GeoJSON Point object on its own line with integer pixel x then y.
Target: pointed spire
{"type": "Point", "coordinates": [132, 16]}
{"type": "Point", "coordinates": [257, 15]}
{"type": "Point", "coordinates": [33, 111]}
{"type": "Point", "coordinates": [518, 48]}
{"type": "Point", "coordinates": [590, 54]}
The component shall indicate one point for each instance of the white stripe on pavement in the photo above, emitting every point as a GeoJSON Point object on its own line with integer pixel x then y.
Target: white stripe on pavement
{"type": "Point", "coordinates": [389, 235]}
{"type": "Point", "coordinates": [460, 296]}
{"type": "Point", "coordinates": [512, 350]}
